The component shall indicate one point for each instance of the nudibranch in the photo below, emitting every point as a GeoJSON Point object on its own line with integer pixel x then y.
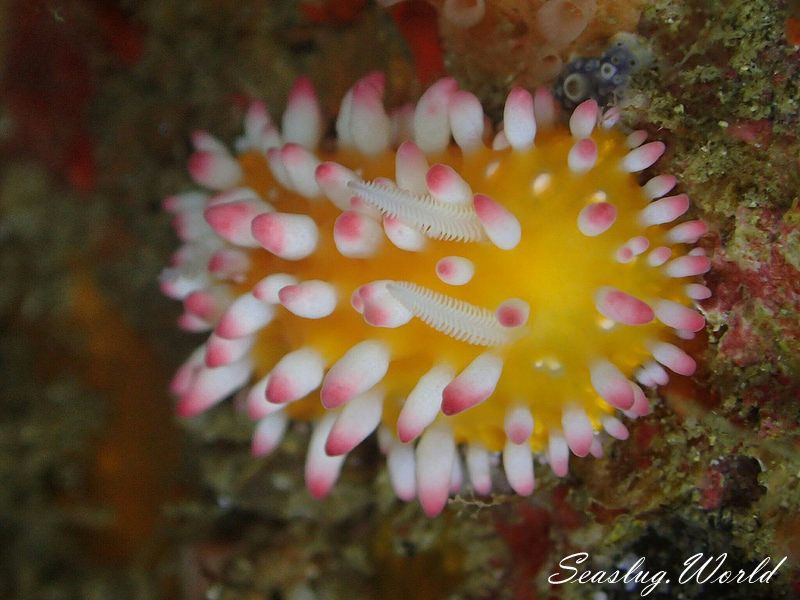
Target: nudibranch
{"type": "Point", "coordinates": [478, 303]}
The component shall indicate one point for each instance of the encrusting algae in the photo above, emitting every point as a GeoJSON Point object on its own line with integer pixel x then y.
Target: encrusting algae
{"type": "Point", "coordinates": [494, 296]}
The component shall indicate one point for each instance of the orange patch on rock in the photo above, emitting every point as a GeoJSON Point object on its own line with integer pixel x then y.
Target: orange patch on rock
{"type": "Point", "coordinates": [137, 455]}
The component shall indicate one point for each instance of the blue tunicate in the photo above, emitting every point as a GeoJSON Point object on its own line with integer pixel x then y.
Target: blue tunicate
{"type": "Point", "coordinates": [603, 78]}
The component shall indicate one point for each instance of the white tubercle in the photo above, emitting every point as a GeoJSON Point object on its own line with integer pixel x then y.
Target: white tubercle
{"type": "Point", "coordinates": [518, 466]}
{"type": "Point", "coordinates": [664, 210]}
{"type": "Point", "coordinates": [403, 236]}
{"type": "Point", "coordinates": [583, 119]}
{"type": "Point", "coordinates": [610, 117]}
{"type": "Point", "coordinates": [178, 285]}
{"type": "Point", "coordinates": [436, 452]}
{"type": "Point", "coordinates": [221, 351]}
{"type": "Point", "coordinates": [246, 315]}
{"type": "Point", "coordinates": [502, 227]}
{"type": "Point", "coordinates": [621, 307]}
{"type": "Point", "coordinates": [455, 270]}
{"type": "Point", "coordinates": [609, 382]}
{"type": "Point", "coordinates": [301, 165]}
{"type": "Point", "coordinates": [614, 427]}
{"type": "Point", "coordinates": [658, 256]}
{"type": "Point", "coordinates": [380, 308]}
{"type": "Point", "coordinates": [473, 385]}
{"type": "Point", "coordinates": [513, 313]}
{"type": "Point", "coordinates": [355, 422]}
{"type": "Point", "coordinates": [267, 139]}
{"type": "Point", "coordinates": [210, 386]}
{"type": "Point", "coordinates": [203, 141]}
{"type": "Point", "coordinates": [269, 433]}
{"type": "Point", "coordinates": [518, 424]}
{"type": "Point", "coordinates": [302, 119]}
{"type": "Point", "coordinates": [313, 299]}
{"type": "Point", "coordinates": [456, 475]}
{"type": "Point", "coordinates": [688, 266]}
{"type": "Point", "coordinates": [623, 254]}
{"type": "Point", "coordinates": [656, 372]}
{"type": "Point", "coordinates": [641, 406]}
{"type": "Point", "coordinates": [659, 186]}
{"type": "Point", "coordinates": [257, 122]}
{"type": "Point", "coordinates": [577, 429]}
{"type": "Point", "coordinates": [500, 141]}
{"type": "Point", "coordinates": [545, 109]}
{"type": "Point", "coordinates": [638, 245]}
{"type": "Point", "coordinates": [288, 236]}
{"type": "Point", "coordinates": [431, 118]}
{"type": "Point", "coordinates": [332, 179]}
{"type": "Point", "coordinates": [652, 374]}
{"type": "Point", "coordinates": [402, 466]}
{"type": "Point", "coordinates": [447, 186]}
{"type": "Point", "coordinates": [215, 170]}
{"type": "Point", "coordinates": [673, 358]}
{"type": "Point", "coordinates": [687, 233]}
{"type": "Point", "coordinates": [357, 235]}
{"type": "Point", "coordinates": [344, 134]}
{"type": "Point", "coordinates": [295, 376]}
{"type": "Point", "coordinates": [678, 316]}
{"type": "Point", "coordinates": [558, 454]}
{"type": "Point", "coordinates": [478, 469]}
{"type": "Point", "coordinates": [185, 375]}
{"type": "Point", "coordinates": [642, 157]}
{"type": "Point", "coordinates": [696, 291]}
{"type": "Point", "coordinates": [231, 216]}
{"type": "Point", "coordinates": [193, 324]}
{"type": "Point", "coordinates": [423, 403]}
{"type": "Point", "coordinates": [322, 470]}
{"type": "Point", "coordinates": [582, 156]}
{"type": "Point", "coordinates": [190, 257]}
{"type": "Point", "coordinates": [596, 449]}
{"type": "Point", "coordinates": [519, 123]}
{"type": "Point", "coordinates": [194, 201]}
{"type": "Point", "coordinates": [636, 138]}
{"type": "Point", "coordinates": [356, 302]}
{"type": "Point", "coordinates": [256, 402]}
{"type": "Point", "coordinates": [411, 168]}
{"type": "Point", "coordinates": [369, 123]}
{"type": "Point", "coordinates": [229, 263]}
{"type": "Point", "coordinates": [278, 169]}
{"type": "Point", "coordinates": [267, 289]}
{"type": "Point", "coordinates": [233, 195]}
{"type": "Point", "coordinates": [642, 376]}
{"type": "Point", "coordinates": [209, 303]}
{"type": "Point", "coordinates": [363, 366]}
{"type": "Point", "coordinates": [466, 120]}
{"type": "Point", "coordinates": [596, 218]}
{"type": "Point", "coordinates": [190, 226]}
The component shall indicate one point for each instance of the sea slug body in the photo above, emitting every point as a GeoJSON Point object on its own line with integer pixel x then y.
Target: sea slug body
{"type": "Point", "coordinates": [477, 303]}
